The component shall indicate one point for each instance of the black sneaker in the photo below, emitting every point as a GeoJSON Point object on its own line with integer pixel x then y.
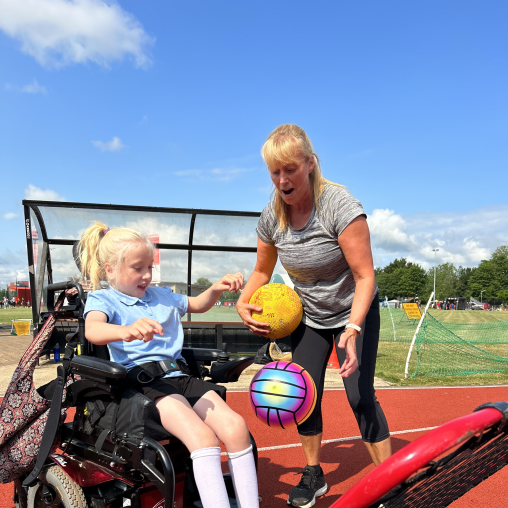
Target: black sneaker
{"type": "Point", "coordinates": [312, 485]}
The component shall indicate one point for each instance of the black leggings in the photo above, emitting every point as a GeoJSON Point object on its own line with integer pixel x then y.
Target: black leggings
{"type": "Point", "coordinates": [312, 348]}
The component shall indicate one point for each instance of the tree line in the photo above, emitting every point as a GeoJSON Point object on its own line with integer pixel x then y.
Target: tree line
{"type": "Point", "coordinates": [403, 279]}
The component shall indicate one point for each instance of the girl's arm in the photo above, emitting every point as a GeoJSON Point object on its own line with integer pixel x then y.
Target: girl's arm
{"type": "Point", "coordinates": [355, 244]}
{"type": "Point", "coordinates": [99, 331]}
{"type": "Point", "coordinates": [265, 263]}
{"type": "Point", "coordinates": [206, 300]}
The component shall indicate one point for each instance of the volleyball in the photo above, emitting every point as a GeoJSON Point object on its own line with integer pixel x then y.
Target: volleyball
{"type": "Point", "coordinates": [282, 394]}
{"type": "Point", "coordinates": [282, 309]}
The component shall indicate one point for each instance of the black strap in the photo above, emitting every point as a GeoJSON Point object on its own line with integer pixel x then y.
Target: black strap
{"type": "Point", "coordinates": [148, 372]}
{"type": "Point", "coordinates": [112, 428]}
{"type": "Point", "coordinates": [50, 430]}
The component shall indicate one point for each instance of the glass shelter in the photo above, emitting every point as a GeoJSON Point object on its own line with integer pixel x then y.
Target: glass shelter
{"type": "Point", "coordinates": [194, 247]}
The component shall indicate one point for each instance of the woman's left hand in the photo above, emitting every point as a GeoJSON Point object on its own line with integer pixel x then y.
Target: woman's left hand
{"type": "Point", "coordinates": [348, 342]}
{"type": "Point", "coordinates": [230, 282]}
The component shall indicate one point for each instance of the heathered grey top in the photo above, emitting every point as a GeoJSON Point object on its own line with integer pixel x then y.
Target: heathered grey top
{"type": "Point", "coordinates": [313, 258]}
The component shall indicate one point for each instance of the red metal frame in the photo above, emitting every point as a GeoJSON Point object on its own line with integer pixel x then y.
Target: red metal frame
{"type": "Point", "coordinates": [415, 455]}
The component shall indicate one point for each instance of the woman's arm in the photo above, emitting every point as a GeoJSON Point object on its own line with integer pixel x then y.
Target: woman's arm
{"type": "Point", "coordinates": [355, 244]}
{"type": "Point", "coordinates": [206, 300]}
{"type": "Point", "coordinates": [265, 263]}
{"type": "Point", "coordinates": [99, 331]}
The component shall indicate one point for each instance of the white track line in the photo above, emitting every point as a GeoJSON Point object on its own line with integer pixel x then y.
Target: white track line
{"type": "Point", "coordinates": [341, 439]}
{"type": "Point", "coordinates": [402, 388]}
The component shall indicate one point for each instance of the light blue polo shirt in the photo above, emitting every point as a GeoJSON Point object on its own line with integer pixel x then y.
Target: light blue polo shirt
{"type": "Point", "coordinates": [159, 304]}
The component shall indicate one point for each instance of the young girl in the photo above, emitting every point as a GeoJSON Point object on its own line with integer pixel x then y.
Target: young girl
{"type": "Point", "coordinates": [141, 324]}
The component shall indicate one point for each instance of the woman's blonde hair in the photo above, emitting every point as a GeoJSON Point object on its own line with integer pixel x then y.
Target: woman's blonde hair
{"type": "Point", "coordinates": [289, 144]}
{"type": "Point", "coordinates": [100, 245]}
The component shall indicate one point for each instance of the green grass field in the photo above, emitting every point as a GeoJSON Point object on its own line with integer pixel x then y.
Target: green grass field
{"type": "Point", "coordinates": [469, 316]}
{"type": "Point", "coordinates": [391, 355]}
{"type": "Point", "coordinates": [7, 315]}
{"type": "Point", "coordinates": [391, 361]}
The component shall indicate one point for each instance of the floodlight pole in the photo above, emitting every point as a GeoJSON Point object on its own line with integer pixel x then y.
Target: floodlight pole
{"type": "Point", "coordinates": [435, 263]}
{"type": "Point", "coordinates": [481, 295]}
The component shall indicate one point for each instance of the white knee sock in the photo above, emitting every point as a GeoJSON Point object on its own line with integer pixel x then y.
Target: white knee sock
{"type": "Point", "coordinates": [208, 476]}
{"type": "Point", "coordinates": [243, 471]}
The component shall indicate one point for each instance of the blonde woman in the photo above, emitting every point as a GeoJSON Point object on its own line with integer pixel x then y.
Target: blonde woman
{"type": "Point", "coordinates": [319, 232]}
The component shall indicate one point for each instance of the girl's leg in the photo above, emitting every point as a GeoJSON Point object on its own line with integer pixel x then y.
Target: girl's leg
{"type": "Point", "coordinates": [179, 419]}
{"type": "Point", "coordinates": [232, 430]}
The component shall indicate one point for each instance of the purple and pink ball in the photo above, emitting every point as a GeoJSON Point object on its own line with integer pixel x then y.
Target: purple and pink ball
{"type": "Point", "coordinates": [283, 394]}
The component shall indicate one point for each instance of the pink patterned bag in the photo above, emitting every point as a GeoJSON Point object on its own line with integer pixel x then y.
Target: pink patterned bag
{"type": "Point", "coordinates": [23, 412]}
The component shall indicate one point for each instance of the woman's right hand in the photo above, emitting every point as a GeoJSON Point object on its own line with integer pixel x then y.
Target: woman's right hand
{"type": "Point", "coordinates": [245, 311]}
{"type": "Point", "coordinates": [143, 329]}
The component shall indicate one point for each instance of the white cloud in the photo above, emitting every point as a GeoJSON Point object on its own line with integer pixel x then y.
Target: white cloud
{"type": "Point", "coordinates": [32, 88]}
{"type": "Point", "coordinates": [389, 231]}
{"type": "Point", "coordinates": [12, 266]}
{"type": "Point", "coordinates": [61, 32]}
{"type": "Point", "coordinates": [10, 216]}
{"type": "Point", "coordinates": [115, 145]}
{"type": "Point", "coordinates": [216, 175]}
{"type": "Point", "coordinates": [462, 238]}
{"type": "Point", "coordinates": [33, 192]}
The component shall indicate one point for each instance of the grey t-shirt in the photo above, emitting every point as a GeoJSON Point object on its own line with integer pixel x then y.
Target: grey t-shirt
{"type": "Point", "coordinates": [313, 258]}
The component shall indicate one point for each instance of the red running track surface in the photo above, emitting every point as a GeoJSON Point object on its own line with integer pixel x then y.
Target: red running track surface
{"type": "Point", "coordinates": [346, 461]}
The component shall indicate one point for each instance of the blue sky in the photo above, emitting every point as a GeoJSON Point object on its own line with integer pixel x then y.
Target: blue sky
{"type": "Point", "coordinates": [167, 103]}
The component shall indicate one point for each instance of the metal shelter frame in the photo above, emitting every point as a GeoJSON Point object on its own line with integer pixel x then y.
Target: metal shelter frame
{"type": "Point", "coordinates": [37, 280]}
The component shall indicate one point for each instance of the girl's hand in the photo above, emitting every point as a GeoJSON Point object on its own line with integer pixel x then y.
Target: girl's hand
{"type": "Point", "coordinates": [348, 342]}
{"type": "Point", "coordinates": [230, 283]}
{"type": "Point", "coordinates": [245, 311]}
{"type": "Point", "coordinates": [143, 329]}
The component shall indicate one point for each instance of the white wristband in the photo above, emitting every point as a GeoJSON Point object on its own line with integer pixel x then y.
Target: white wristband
{"type": "Point", "coordinates": [354, 327]}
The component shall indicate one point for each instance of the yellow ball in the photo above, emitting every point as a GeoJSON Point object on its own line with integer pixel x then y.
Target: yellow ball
{"type": "Point", "coordinates": [282, 309]}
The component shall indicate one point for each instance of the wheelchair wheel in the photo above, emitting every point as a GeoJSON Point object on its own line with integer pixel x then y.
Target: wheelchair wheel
{"type": "Point", "coordinates": [56, 489]}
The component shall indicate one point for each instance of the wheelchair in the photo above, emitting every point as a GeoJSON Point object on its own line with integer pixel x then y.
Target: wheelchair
{"type": "Point", "coordinates": [116, 453]}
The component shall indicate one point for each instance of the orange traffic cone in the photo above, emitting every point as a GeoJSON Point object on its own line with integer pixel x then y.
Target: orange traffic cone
{"type": "Point", "coordinates": [333, 361]}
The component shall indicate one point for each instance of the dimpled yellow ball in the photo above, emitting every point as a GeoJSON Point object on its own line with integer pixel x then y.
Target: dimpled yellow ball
{"type": "Point", "coordinates": [282, 309]}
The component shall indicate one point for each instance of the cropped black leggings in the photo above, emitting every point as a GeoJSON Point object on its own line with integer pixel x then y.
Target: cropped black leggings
{"type": "Point", "coordinates": [312, 348]}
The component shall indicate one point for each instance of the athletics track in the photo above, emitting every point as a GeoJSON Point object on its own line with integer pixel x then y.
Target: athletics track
{"type": "Point", "coordinates": [344, 458]}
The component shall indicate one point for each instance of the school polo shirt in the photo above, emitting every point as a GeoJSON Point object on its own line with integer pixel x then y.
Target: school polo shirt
{"type": "Point", "coordinates": [159, 304]}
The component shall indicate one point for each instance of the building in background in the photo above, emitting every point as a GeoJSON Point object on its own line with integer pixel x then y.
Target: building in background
{"type": "Point", "coordinates": [20, 290]}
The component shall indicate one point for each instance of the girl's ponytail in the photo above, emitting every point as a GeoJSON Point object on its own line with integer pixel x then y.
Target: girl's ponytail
{"type": "Point", "coordinates": [91, 266]}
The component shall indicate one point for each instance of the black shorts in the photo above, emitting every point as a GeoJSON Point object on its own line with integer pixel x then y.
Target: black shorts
{"type": "Point", "coordinates": [189, 387]}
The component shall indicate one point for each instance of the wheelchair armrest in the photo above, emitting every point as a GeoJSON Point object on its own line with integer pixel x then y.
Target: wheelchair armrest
{"type": "Point", "coordinates": [229, 372]}
{"type": "Point", "coordinates": [97, 368]}
{"type": "Point", "coordinates": [201, 354]}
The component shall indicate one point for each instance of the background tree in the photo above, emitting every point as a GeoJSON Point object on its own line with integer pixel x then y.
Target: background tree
{"type": "Point", "coordinates": [463, 275]}
{"type": "Point", "coordinates": [400, 278]}
{"type": "Point", "coordinates": [412, 281]}
{"type": "Point", "coordinates": [491, 276]}
{"type": "Point", "coordinates": [446, 282]}
{"type": "Point", "coordinates": [202, 281]}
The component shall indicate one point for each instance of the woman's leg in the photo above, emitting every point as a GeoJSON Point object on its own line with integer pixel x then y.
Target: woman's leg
{"type": "Point", "coordinates": [311, 349]}
{"type": "Point", "coordinates": [232, 430]}
{"type": "Point", "coordinates": [360, 389]}
{"type": "Point", "coordinates": [179, 419]}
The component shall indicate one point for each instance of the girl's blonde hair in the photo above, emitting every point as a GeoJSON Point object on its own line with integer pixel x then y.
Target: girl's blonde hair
{"type": "Point", "coordinates": [100, 245]}
{"type": "Point", "coordinates": [289, 144]}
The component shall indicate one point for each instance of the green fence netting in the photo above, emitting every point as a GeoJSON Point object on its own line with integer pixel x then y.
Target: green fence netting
{"type": "Point", "coordinates": [440, 352]}
{"type": "Point", "coordinates": [395, 326]}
